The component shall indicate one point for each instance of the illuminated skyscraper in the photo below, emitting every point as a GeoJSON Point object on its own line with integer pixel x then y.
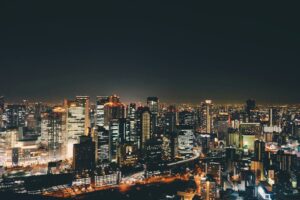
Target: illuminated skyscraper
{"type": "Point", "coordinates": [153, 105]}
{"type": "Point", "coordinates": [170, 120]}
{"type": "Point", "coordinates": [77, 121]}
{"type": "Point", "coordinates": [206, 122]}
{"type": "Point", "coordinates": [102, 144]}
{"type": "Point", "coordinates": [100, 103]}
{"type": "Point", "coordinates": [114, 139]}
{"type": "Point", "coordinates": [15, 116]}
{"type": "Point", "coordinates": [132, 121]}
{"type": "Point", "coordinates": [143, 126]}
{"type": "Point", "coordinates": [84, 101]}
{"type": "Point", "coordinates": [54, 132]}
{"type": "Point", "coordinates": [114, 109]}
{"type": "Point", "coordinates": [185, 140]}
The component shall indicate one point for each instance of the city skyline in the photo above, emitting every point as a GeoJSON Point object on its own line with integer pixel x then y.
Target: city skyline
{"type": "Point", "coordinates": [179, 53]}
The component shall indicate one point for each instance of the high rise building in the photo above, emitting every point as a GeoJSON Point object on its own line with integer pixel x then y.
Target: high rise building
{"type": "Point", "coordinates": [206, 122]}
{"type": "Point", "coordinates": [186, 139]}
{"type": "Point", "coordinates": [114, 139]}
{"type": "Point", "coordinates": [124, 130]}
{"type": "Point", "coordinates": [186, 118]}
{"type": "Point", "coordinates": [127, 155]}
{"type": "Point", "coordinates": [84, 101]}
{"type": "Point", "coordinates": [153, 155]}
{"type": "Point", "coordinates": [77, 121]}
{"type": "Point", "coordinates": [259, 150]}
{"type": "Point", "coordinates": [114, 109]}
{"type": "Point", "coordinates": [84, 154]}
{"type": "Point", "coordinates": [15, 116]}
{"type": "Point", "coordinates": [131, 111]}
{"type": "Point", "coordinates": [53, 133]}
{"type": "Point", "coordinates": [170, 121]}
{"type": "Point", "coordinates": [250, 105]}
{"type": "Point", "coordinates": [153, 105]}
{"type": "Point", "coordinates": [102, 144]}
{"type": "Point", "coordinates": [143, 126]}
{"type": "Point", "coordinates": [132, 127]}
{"type": "Point", "coordinates": [100, 115]}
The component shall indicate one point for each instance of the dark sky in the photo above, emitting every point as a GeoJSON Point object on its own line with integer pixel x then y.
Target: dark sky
{"type": "Point", "coordinates": [180, 52]}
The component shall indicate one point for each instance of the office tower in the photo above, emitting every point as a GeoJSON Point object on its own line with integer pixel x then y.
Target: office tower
{"type": "Point", "coordinates": [92, 116]}
{"type": "Point", "coordinates": [186, 118]}
{"type": "Point", "coordinates": [170, 120]}
{"type": "Point", "coordinates": [124, 130]}
{"type": "Point", "coordinates": [143, 126]}
{"type": "Point", "coordinates": [77, 121]}
{"type": "Point", "coordinates": [131, 111]}
{"type": "Point", "coordinates": [186, 139]}
{"type": "Point", "coordinates": [233, 138]}
{"type": "Point", "coordinates": [132, 127]}
{"type": "Point", "coordinates": [100, 115]}
{"type": "Point", "coordinates": [153, 155]}
{"type": "Point", "coordinates": [206, 122]}
{"type": "Point", "coordinates": [250, 105]}
{"type": "Point", "coordinates": [270, 117]}
{"type": "Point", "coordinates": [166, 148]}
{"type": "Point", "coordinates": [102, 144]}
{"type": "Point", "coordinates": [248, 133]}
{"type": "Point", "coordinates": [84, 101]}
{"type": "Point", "coordinates": [15, 156]}
{"type": "Point", "coordinates": [15, 116]}
{"type": "Point", "coordinates": [230, 159]}
{"type": "Point", "coordinates": [285, 161]}
{"type": "Point", "coordinates": [205, 142]}
{"type": "Point", "coordinates": [114, 109]}
{"type": "Point", "coordinates": [222, 124]}
{"type": "Point", "coordinates": [259, 150]}
{"type": "Point", "coordinates": [53, 135]}
{"type": "Point", "coordinates": [127, 155]}
{"type": "Point", "coordinates": [84, 154]}
{"type": "Point", "coordinates": [153, 105]}
{"type": "Point", "coordinates": [114, 139]}
{"type": "Point", "coordinates": [174, 144]}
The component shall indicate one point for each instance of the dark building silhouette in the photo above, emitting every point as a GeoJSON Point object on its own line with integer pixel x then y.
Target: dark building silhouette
{"type": "Point", "coordinates": [84, 154]}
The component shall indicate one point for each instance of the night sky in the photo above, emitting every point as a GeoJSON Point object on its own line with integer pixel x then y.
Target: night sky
{"type": "Point", "coordinates": [179, 52]}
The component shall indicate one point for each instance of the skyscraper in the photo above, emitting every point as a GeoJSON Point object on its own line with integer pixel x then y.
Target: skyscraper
{"type": "Point", "coordinates": [77, 121]}
{"type": "Point", "coordinates": [84, 154]}
{"type": "Point", "coordinates": [102, 144]}
{"type": "Point", "coordinates": [250, 105]}
{"type": "Point", "coordinates": [54, 132]}
{"type": "Point", "coordinates": [143, 125]}
{"type": "Point", "coordinates": [259, 150]}
{"type": "Point", "coordinates": [206, 122]}
{"type": "Point", "coordinates": [100, 103]}
{"type": "Point", "coordinates": [114, 109]}
{"type": "Point", "coordinates": [114, 139]}
{"type": "Point", "coordinates": [15, 116]}
{"type": "Point", "coordinates": [153, 105]}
